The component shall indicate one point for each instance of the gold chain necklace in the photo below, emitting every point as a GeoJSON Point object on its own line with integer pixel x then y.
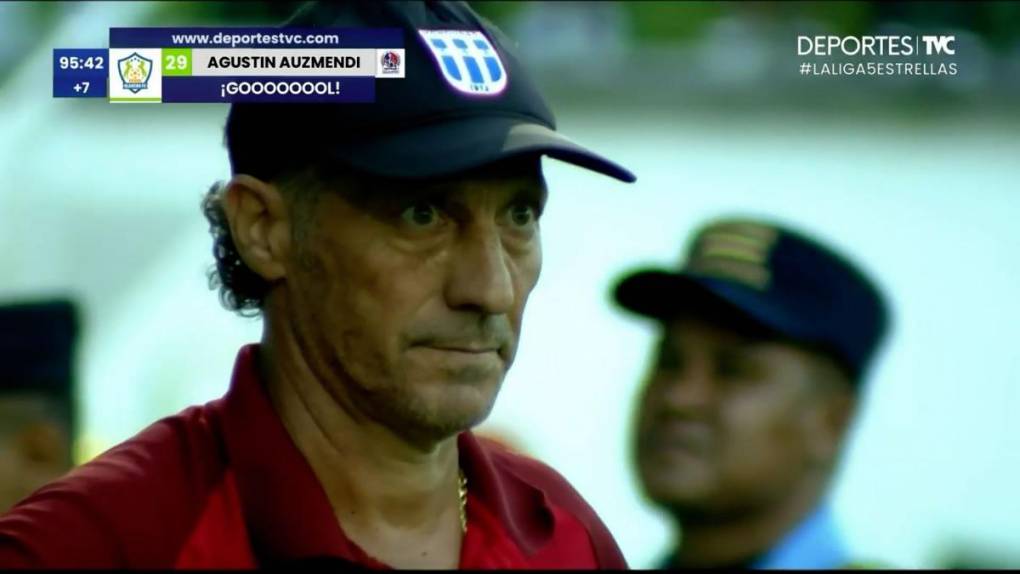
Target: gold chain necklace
{"type": "Point", "coordinates": [462, 493]}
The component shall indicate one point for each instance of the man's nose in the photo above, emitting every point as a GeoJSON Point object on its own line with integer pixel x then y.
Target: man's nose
{"type": "Point", "coordinates": [688, 390]}
{"type": "Point", "coordinates": [481, 273]}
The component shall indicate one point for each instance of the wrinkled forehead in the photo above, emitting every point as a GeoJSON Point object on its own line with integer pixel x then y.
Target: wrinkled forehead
{"type": "Point", "coordinates": [699, 331]}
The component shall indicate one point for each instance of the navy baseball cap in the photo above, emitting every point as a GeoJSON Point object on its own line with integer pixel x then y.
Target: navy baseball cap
{"type": "Point", "coordinates": [36, 346]}
{"type": "Point", "coordinates": [465, 101]}
{"type": "Point", "coordinates": [777, 278]}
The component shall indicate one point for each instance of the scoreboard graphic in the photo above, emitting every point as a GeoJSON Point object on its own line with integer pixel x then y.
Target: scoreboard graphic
{"type": "Point", "coordinates": [202, 65]}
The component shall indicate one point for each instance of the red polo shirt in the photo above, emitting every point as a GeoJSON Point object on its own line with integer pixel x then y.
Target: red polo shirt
{"type": "Point", "coordinates": [222, 485]}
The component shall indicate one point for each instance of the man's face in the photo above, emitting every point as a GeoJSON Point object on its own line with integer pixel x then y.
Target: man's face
{"type": "Point", "coordinates": [34, 448]}
{"type": "Point", "coordinates": [725, 419]}
{"type": "Point", "coordinates": [408, 296]}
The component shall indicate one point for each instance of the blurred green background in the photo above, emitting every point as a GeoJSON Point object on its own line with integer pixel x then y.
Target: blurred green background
{"type": "Point", "coordinates": [596, 50]}
{"type": "Point", "coordinates": [916, 177]}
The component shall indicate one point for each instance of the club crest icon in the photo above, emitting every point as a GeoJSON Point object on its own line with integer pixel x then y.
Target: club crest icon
{"type": "Point", "coordinates": [467, 60]}
{"type": "Point", "coordinates": [390, 62]}
{"type": "Point", "coordinates": [135, 71]}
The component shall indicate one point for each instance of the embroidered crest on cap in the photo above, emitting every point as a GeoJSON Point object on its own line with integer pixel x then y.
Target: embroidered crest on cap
{"type": "Point", "coordinates": [734, 250]}
{"type": "Point", "coordinates": [467, 60]}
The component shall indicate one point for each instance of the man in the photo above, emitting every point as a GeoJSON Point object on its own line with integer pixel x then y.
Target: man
{"type": "Point", "coordinates": [391, 249]}
{"type": "Point", "coordinates": [765, 342]}
{"type": "Point", "coordinates": [36, 395]}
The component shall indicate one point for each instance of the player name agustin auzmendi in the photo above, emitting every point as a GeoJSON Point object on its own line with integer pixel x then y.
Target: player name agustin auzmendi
{"type": "Point", "coordinates": [279, 62]}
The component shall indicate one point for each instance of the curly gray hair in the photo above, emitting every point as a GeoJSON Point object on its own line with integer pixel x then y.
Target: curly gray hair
{"type": "Point", "coordinates": [240, 288]}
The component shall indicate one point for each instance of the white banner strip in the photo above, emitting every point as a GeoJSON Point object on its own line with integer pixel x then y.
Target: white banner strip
{"type": "Point", "coordinates": [272, 62]}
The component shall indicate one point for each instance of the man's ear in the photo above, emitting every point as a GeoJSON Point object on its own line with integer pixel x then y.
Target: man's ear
{"type": "Point", "coordinates": [831, 415]}
{"type": "Point", "coordinates": [837, 419]}
{"type": "Point", "coordinates": [259, 224]}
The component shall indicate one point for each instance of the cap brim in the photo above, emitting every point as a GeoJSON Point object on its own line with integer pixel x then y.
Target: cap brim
{"type": "Point", "coordinates": [664, 295]}
{"type": "Point", "coordinates": [450, 147]}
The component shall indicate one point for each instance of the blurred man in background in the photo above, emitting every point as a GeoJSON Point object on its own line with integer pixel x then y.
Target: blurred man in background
{"type": "Point", "coordinates": [766, 337]}
{"type": "Point", "coordinates": [36, 396]}
{"type": "Point", "coordinates": [390, 248]}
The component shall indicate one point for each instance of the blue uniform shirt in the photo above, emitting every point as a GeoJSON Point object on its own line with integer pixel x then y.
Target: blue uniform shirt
{"type": "Point", "coordinates": [814, 543]}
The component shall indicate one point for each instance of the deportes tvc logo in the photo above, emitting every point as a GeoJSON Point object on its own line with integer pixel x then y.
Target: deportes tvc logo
{"type": "Point", "coordinates": [875, 45]}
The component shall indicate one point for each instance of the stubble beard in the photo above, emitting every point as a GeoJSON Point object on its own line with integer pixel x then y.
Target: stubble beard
{"type": "Point", "coordinates": [429, 416]}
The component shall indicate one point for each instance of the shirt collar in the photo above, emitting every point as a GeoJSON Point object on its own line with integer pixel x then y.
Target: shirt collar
{"type": "Point", "coordinates": [814, 543]}
{"type": "Point", "coordinates": [523, 510]}
{"type": "Point", "coordinates": [285, 507]}
{"type": "Point", "coordinates": [287, 511]}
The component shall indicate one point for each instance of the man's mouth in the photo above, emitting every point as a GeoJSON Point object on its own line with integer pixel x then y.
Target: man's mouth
{"type": "Point", "coordinates": [473, 349]}
{"type": "Point", "coordinates": [678, 436]}
{"type": "Point", "coordinates": [461, 353]}
{"type": "Point", "coordinates": [467, 347]}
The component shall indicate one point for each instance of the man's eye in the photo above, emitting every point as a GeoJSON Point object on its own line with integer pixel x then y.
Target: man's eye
{"type": "Point", "coordinates": [522, 214]}
{"type": "Point", "coordinates": [742, 368]}
{"type": "Point", "coordinates": [667, 361]}
{"type": "Point", "coordinates": [421, 215]}
{"type": "Point", "coordinates": [668, 358]}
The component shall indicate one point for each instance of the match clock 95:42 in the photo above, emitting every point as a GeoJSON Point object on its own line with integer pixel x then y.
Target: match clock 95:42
{"type": "Point", "coordinates": [80, 73]}
{"type": "Point", "coordinates": [79, 63]}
